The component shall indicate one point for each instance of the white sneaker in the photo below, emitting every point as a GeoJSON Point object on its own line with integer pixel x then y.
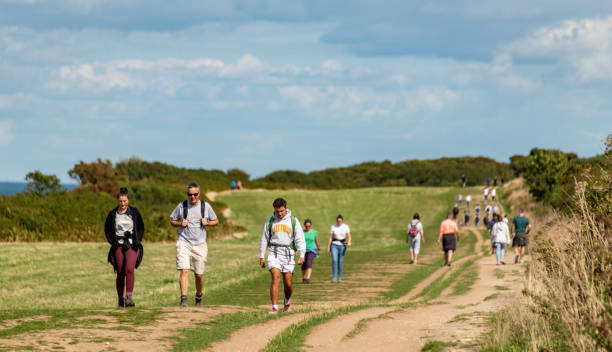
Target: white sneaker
{"type": "Point", "coordinates": [273, 311]}
{"type": "Point", "coordinates": [334, 280]}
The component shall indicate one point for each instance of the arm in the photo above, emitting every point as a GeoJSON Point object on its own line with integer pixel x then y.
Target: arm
{"type": "Point", "coordinates": [178, 223]}
{"type": "Point", "coordinates": [317, 243]}
{"type": "Point", "coordinates": [140, 227]}
{"type": "Point", "coordinates": [331, 237]}
{"type": "Point", "coordinates": [422, 233]}
{"type": "Point", "coordinates": [263, 244]}
{"type": "Point", "coordinates": [300, 242]}
{"type": "Point", "coordinates": [212, 219]}
{"type": "Point", "coordinates": [108, 229]}
{"type": "Point", "coordinates": [348, 236]}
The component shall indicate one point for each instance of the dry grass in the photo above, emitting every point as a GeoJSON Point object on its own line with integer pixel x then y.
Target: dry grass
{"type": "Point", "coordinates": [566, 300]}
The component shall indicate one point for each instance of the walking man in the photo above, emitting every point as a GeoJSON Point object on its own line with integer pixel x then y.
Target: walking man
{"type": "Point", "coordinates": [486, 193]}
{"type": "Point", "coordinates": [280, 231]}
{"type": "Point", "coordinates": [468, 200]}
{"type": "Point", "coordinates": [192, 217]}
{"type": "Point", "coordinates": [449, 234]}
{"type": "Point", "coordinates": [521, 228]}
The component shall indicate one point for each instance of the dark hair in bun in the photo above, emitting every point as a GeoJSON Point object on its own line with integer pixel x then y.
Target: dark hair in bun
{"type": "Point", "coordinates": [123, 191]}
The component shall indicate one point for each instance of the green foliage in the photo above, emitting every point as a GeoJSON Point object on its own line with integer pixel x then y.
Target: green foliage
{"type": "Point", "coordinates": [439, 172]}
{"type": "Point", "coordinates": [546, 169]}
{"type": "Point", "coordinates": [436, 346]}
{"type": "Point", "coordinates": [39, 183]}
{"type": "Point", "coordinates": [97, 176]}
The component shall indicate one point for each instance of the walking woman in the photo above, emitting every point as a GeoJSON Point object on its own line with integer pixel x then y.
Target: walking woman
{"type": "Point", "coordinates": [312, 250]}
{"type": "Point", "coordinates": [414, 236]}
{"type": "Point", "coordinates": [500, 236]}
{"type": "Point", "coordinates": [124, 229]}
{"type": "Point", "coordinates": [339, 239]}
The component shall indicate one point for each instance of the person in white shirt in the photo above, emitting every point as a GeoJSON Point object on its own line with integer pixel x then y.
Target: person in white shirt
{"type": "Point", "coordinates": [468, 199]}
{"type": "Point", "coordinates": [414, 236]}
{"type": "Point", "coordinates": [493, 194]}
{"type": "Point", "coordinates": [500, 237]}
{"type": "Point", "coordinates": [279, 232]}
{"type": "Point", "coordinates": [339, 239]}
{"type": "Point", "coordinates": [486, 193]}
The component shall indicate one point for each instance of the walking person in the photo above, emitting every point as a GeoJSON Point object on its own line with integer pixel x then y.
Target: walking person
{"type": "Point", "coordinates": [312, 250]}
{"type": "Point", "coordinates": [459, 199]}
{"type": "Point", "coordinates": [280, 232]}
{"type": "Point", "coordinates": [500, 236]}
{"type": "Point", "coordinates": [486, 193]}
{"type": "Point", "coordinates": [493, 194]}
{"type": "Point", "coordinates": [124, 229]}
{"type": "Point", "coordinates": [449, 234]}
{"type": "Point", "coordinates": [463, 180]}
{"type": "Point", "coordinates": [468, 200]}
{"type": "Point", "coordinates": [414, 236]}
{"type": "Point", "coordinates": [521, 228]}
{"type": "Point", "coordinates": [339, 240]}
{"type": "Point", "coordinates": [495, 181]}
{"type": "Point", "coordinates": [455, 211]}
{"type": "Point", "coordinates": [488, 181]}
{"type": "Point", "coordinates": [476, 220]}
{"type": "Point", "coordinates": [192, 217]}
{"type": "Point", "coordinates": [466, 217]}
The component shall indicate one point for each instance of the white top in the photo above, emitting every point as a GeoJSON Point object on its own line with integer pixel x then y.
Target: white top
{"type": "Point", "coordinates": [486, 191]}
{"type": "Point", "coordinates": [493, 192]}
{"type": "Point", "coordinates": [419, 226]}
{"type": "Point", "coordinates": [500, 233]}
{"type": "Point", "coordinates": [282, 234]}
{"type": "Point", "coordinates": [468, 198]}
{"type": "Point", "coordinates": [123, 223]}
{"type": "Point", "coordinates": [339, 233]}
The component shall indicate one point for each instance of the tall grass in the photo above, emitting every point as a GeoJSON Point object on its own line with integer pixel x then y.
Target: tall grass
{"type": "Point", "coordinates": [566, 301]}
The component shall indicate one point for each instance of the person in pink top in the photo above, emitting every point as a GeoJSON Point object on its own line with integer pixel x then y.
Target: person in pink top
{"type": "Point", "coordinates": [449, 234]}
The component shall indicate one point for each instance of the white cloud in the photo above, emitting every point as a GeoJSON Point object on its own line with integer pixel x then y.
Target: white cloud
{"type": "Point", "coordinates": [85, 76]}
{"type": "Point", "coordinates": [585, 45]}
{"type": "Point", "coordinates": [342, 102]}
{"type": "Point", "coordinates": [6, 133]}
{"type": "Point", "coordinates": [331, 65]}
{"type": "Point", "coordinates": [245, 65]}
{"type": "Point", "coordinates": [522, 83]}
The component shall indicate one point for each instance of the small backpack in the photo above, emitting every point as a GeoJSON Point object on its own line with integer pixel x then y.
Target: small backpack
{"type": "Point", "coordinates": [414, 230]}
{"type": "Point", "coordinates": [271, 223]}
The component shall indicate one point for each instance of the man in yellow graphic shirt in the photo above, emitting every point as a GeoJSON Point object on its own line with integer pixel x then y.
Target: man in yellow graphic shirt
{"type": "Point", "coordinates": [280, 231]}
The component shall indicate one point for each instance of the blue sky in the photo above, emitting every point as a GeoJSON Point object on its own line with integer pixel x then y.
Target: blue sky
{"type": "Point", "coordinates": [306, 85]}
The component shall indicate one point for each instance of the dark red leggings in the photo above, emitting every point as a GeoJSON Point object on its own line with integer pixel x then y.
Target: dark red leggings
{"type": "Point", "coordinates": [125, 269]}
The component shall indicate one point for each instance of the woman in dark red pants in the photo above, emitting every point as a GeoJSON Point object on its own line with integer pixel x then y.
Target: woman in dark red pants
{"type": "Point", "coordinates": [124, 229]}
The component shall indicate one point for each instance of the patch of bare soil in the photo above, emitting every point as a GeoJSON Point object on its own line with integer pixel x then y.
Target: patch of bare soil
{"type": "Point", "coordinates": [255, 337]}
{"type": "Point", "coordinates": [155, 337]}
{"type": "Point", "coordinates": [8, 324]}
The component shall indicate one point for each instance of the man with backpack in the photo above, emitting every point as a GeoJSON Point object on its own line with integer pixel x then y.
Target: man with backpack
{"type": "Point", "coordinates": [414, 236]}
{"type": "Point", "coordinates": [283, 235]}
{"type": "Point", "coordinates": [521, 228]}
{"type": "Point", "coordinates": [192, 217]}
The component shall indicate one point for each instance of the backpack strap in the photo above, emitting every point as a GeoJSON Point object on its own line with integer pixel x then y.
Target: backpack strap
{"type": "Point", "coordinates": [203, 208]}
{"type": "Point", "coordinates": [270, 224]}
{"type": "Point", "coordinates": [185, 206]}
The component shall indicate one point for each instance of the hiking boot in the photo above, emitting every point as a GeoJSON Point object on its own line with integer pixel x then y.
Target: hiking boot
{"type": "Point", "coordinates": [121, 302]}
{"type": "Point", "coordinates": [198, 300]}
{"type": "Point", "coordinates": [516, 259]}
{"type": "Point", "coordinates": [184, 301]}
{"type": "Point", "coordinates": [129, 302]}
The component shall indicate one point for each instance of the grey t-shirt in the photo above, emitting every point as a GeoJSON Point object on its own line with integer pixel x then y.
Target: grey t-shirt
{"type": "Point", "coordinates": [194, 233]}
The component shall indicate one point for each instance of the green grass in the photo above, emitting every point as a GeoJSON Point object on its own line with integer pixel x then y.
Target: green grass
{"type": "Point", "coordinates": [361, 324]}
{"type": "Point", "coordinates": [201, 336]}
{"type": "Point", "coordinates": [436, 346]}
{"type": "Point", "coordinates": [465, 282]}
{"type": "Point", "coordinates": [501, 288]}
{"type": "Point", "coordinates": [493, 296]}
{"type": "Point", "coordinates": [67, 281]}
{"type": "Point", "coordinates": [499, 273]}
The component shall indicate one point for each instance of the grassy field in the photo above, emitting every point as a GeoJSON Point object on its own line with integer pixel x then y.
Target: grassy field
{"type": "Point", "coordinates": [65, 281]}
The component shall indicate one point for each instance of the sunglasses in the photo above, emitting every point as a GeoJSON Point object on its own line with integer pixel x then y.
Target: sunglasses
{"type": "Point", "coordinates": [192, 194]}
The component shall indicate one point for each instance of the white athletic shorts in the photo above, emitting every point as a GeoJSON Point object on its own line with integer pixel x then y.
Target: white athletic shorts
{"type": "Point", "coordinates": [281, 258]}
{"type": "Point", "coordinates": [191, 257]}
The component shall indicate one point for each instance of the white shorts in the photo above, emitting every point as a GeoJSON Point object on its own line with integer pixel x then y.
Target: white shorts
{"type": "Point", "coordinates": [191, 257]}
{"type": "Point", "coordinates": [281, 258]}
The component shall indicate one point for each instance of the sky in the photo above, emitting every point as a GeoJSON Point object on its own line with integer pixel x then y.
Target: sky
{"type": "Point", "coordinates": [302, 85]}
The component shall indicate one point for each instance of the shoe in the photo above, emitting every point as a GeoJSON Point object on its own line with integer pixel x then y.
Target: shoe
{"type": "Point", "coordinates": [306, 281]}
{"type": "Point", "coordinates": [184, 301]}
{"type": "Point", "coordinates": [516, 259]}
{"type": "Point", "coordinates": [503, 263]}
{"type": "Point", "coordinates": [339, 280]}
{"type": "Point", "coordinates": [334, 280]}
{"type": "Point", "coordinates": [448, 264]}
{"type": "Point", "coordinates": [198, 300]}
{"type": "Point", "coordinates": [287, 306]}
{"type": "Point", "coordinates": [411, 261]}
{"type": "Point", "coordinates": [121, 302]}
{"type": "Point", "coordinates": [129, 302]}
{"type": "Point", "coordinates": [273, 311]}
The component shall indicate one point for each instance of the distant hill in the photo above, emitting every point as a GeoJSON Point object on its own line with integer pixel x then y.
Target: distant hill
{"type": "Point", "coordinates": [435, 172]}
{"type": "Point", "coordinates": [10, 188]}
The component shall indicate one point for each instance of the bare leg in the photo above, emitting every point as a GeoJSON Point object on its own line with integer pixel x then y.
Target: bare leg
{"type": "Point", "coordinates": [449, 256]}
{"type": "Point", "coordinates": [287, 284]}
{"type": "Point", "coordinates": [199, 279]}
{"type": "Point", "coordinates": [275, 274]}
{"type": "Point", "coordinates": [522, 252]}
{"type": "Point", "coordinates": [184, 281]}
{"type": "Point", "coordinates": [307, 273]}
